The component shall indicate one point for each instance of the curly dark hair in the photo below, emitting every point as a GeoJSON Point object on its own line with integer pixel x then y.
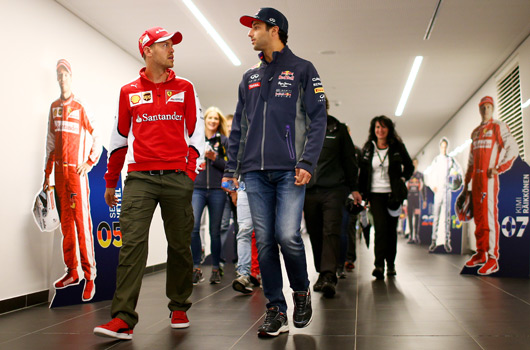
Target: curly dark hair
{"type": "Point", "coordinates": [388, 123]}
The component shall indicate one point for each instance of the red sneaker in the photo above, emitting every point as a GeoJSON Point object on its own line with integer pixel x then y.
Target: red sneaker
{"type": "Point", "coordinates": [89, 291]}
{"type": "Point", "coordinates": [489, 267]}
{"type": "Point", "coordinates": [116, 328]}
{"type": "Point", "coordinates": [179, 319]}
{"type": "Point", "coordinates": [69, 279]}
{"type": "Point", "coordinates": [476, 260]}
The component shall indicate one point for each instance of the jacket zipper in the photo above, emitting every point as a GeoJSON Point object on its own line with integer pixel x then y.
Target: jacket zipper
{"type": "Point", "coordinates": [288, 140]}
{"type": "Point", "coordinates": [263, 137]}
{"type": "Point", "coordinates": [207, 174]}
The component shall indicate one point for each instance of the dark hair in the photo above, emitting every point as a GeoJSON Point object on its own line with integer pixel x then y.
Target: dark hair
{"type": "Point", "coordinates": [392, 136]}
{"type": "Point", "coordinates": [283, 35]}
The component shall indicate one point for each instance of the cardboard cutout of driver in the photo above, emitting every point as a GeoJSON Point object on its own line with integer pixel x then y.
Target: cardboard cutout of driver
{"type": "Point", "coordinates": [492, 152]}
{"type": "Point", "coordinates": [73, 147]}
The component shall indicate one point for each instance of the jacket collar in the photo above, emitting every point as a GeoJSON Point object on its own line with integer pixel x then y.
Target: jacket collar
{"type": "Point", "coordinates": [170, 77]}
{"type": "Point", "coordinates": [68, 100]}
{"type": "Point", "coordinates": [276, 55]}
{"type": "Point", "coordinates": [332, 124]}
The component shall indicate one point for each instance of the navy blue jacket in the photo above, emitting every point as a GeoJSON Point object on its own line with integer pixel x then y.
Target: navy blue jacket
{"type": "Point", "coordinates": [280, 119]}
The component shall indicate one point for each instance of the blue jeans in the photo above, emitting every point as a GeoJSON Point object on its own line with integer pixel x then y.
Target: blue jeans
{"type": "Point", "coordinates": [215, 200]}
{"type": "Point", "coordinates": [276, 205]}
{"type": "Point", "coordinates": [244, 235]}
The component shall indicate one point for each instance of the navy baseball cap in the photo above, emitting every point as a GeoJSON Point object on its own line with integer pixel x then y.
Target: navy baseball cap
{"type": "Point", "coordinates": [267, 15]}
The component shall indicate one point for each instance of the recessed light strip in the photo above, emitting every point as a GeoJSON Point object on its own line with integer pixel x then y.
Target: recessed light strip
{"type": "Point", "coordinates": [213, 33]}
{"type": "Point", "coordinates": [408, 86]}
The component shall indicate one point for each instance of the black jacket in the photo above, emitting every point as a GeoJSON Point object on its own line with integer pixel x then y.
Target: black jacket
{"type": "Point", "coordinates": [337, 164]}
{"type": "Point", "coordinates": [211, 176]}
{"type": "Point", "coordinates": [400, 169]}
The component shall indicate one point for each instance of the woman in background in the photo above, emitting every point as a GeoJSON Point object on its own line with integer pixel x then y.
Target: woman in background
{"type": "Point", "coordinates": [384, 167]}
{"type": "Point", "coordinates": [208, 192]}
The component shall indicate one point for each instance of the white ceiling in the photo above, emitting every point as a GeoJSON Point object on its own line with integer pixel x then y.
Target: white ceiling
{"type": "Point", "coordinates": [375, 43]}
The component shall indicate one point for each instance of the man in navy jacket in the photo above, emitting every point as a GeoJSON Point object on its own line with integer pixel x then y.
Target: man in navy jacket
{"type": "Point", "coordinates": [277, 134]}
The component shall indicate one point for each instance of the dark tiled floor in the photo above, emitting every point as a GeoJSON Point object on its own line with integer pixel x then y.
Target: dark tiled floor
{"type": "Point", "coordinates": [429, 305]}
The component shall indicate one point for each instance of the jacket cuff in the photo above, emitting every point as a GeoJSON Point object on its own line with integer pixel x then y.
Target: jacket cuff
{"type": "Point", "coordinates": [229, 174]}
{"type": "Point", "coordinates": [111, 183]}
{"type": "Point", "coordinates": [305, 166]}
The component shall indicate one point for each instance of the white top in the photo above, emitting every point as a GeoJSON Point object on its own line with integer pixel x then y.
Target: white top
{"type": "Point", "coordinates": [380, 178]}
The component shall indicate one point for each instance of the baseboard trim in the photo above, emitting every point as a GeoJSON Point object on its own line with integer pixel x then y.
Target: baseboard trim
{"type": "Point", "coordinates": [24, 301]}
{"type": "Point", "coordinates": [28, 300]}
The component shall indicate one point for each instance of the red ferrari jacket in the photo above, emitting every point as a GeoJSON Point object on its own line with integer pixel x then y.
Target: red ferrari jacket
{"type": "Point", "coordinates": [158, 127]}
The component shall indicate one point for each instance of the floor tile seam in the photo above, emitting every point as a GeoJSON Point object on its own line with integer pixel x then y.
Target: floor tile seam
{"type": "Point", "coordinates": [413, 336]}
{"type": "Point", "coordinates": [483, 280]}
{"type": "Point", "coordinates": [457, 320]}
{"type": "Point", "coordinates": [55, 324]}
{"type": "Point", "coordinates": [247, 331]}
{"type": "Point", "coordinates": [195, 302]}
{"type": "Point", "coordinates": [358, 286]}
{"type": "Point", "coordinates": [502, 290]}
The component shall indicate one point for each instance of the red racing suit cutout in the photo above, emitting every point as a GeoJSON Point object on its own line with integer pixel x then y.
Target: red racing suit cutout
{"type": "Point", "coordinates": [69, 145]}
{"type": "Point", "coordinates": [490, 141]}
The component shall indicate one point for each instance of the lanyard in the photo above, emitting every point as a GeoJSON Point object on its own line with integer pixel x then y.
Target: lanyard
{"type": "Point", "coordinates": [381, 160]}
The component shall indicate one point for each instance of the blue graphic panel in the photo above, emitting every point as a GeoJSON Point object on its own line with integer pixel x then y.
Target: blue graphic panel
{"type": "Point", "coordinates": [107, 241]}
{"type": "Point", "coordinates": [455, 227]}
{"type": "Point", "coordinates": [513, 219]}
{"type": "Point", "coordinates": [426, 218]}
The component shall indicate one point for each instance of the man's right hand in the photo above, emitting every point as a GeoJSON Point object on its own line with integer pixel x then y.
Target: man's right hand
{"type": "Point", "coordinates": [226, 179]}
{"type": "Point", "coordinates": [110, 197]}
{"type": "Point", "coordinates": [46, 183]}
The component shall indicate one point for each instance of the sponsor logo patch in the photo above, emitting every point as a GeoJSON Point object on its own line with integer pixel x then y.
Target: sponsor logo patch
{"type": "Point", "coordinates": [158, 117]}
{"type": "Point", "coordinates": [139, 98]}
{"type": "Point", "coordinates": [284, 83]}
{"type": "Point", "coordinates": [57, 111]}
{"type": "Point", "coordinates": [73, 114]}
{"type": "Point", "coordinates": [319, 90]}
{"type": "Point", "coordinates": [286, 75]}
{"type": "Point", "coordinates": [144, 39]}
{"type": "Point", "coordinates": [174, 96]}
{"type": "Point", "coordinates": [254, 78]}
{"type": "Point", "coordinates": [283, 93]}
{"type": "Point", "coordinates": [66, 126]}
{"type": "Point", "coordinates": [254, 85]}
{"type": "Point", "coordinates": [482, 144]}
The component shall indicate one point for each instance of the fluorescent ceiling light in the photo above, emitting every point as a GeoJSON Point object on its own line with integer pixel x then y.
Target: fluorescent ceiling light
{"type": "Point", "coordinates": [213, 33]}
{"type": "Point", "coordinates": [408, 86]}
{"type": "Point", "coordinates": [526, 104]}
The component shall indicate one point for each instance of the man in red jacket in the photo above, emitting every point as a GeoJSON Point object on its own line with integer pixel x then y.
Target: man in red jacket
{"type": "Point", "coordinates": [160, 128]}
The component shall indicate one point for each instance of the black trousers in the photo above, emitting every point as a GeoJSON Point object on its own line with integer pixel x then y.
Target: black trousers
{"type": "Point", "coordinates": [414, 221]}
{"type": "Point", "coordinates": [323, 217]}
{"type": "Point", "coordinates": [385, 230]}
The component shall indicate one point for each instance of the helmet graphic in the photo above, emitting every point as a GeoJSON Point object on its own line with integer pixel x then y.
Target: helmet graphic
{"type": "Point", "coordinates": [454, 180]}
{"type": "Point", "coordinates": [45, 210]}
{"type": "Point", "coordinates": [464, 207]}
